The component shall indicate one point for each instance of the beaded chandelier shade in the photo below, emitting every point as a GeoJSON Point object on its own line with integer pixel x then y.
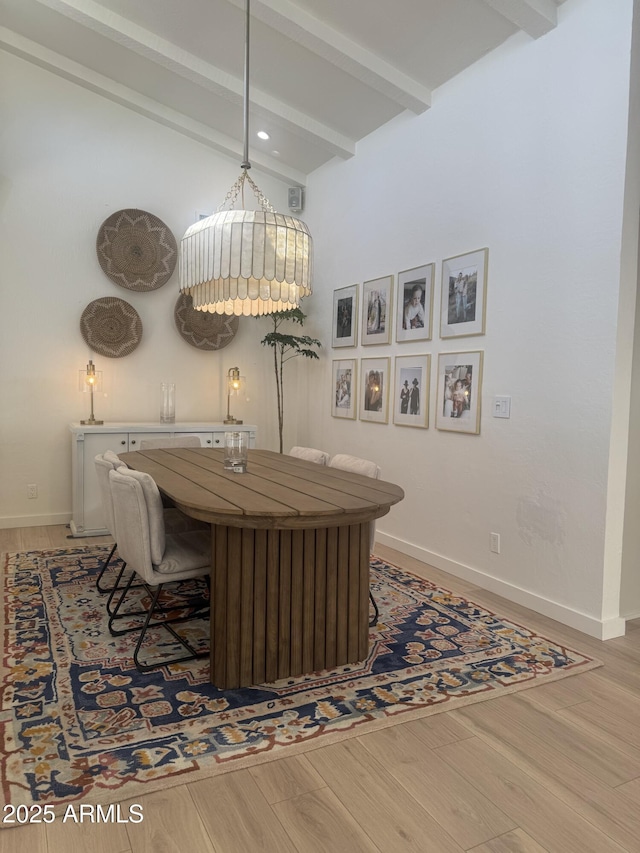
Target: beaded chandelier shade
{"type": "Point", "coordinates": [246, 262]}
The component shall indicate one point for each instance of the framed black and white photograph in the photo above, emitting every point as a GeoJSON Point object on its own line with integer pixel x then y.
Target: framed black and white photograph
{"type": "Point", "coordinates": [464, 295]}
{"type": "Point", "coordinates": [345, 317]}
{"type": "Point", "coordinates": [414, 304]}
{"type": "Point", "coordinates": [411, 390]}
{"type": "Point", "coordinates": [374, 390]}
{"type": "Point", "coordinates": [344, 386]}
{"type": "Point", "coordinates": [459, 391]}
{"type": "Point", "coordinates": [376, 311]}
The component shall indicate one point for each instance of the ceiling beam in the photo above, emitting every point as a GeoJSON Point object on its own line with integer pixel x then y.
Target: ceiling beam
{"type": "Point", "coordinates": [126, 97]}
{"type": "Point", "coordinates": [145, 43]}
{"type": "Point", "coordinates": [535, 17]}
{"type": "Point", "coordinates": [292, 21]}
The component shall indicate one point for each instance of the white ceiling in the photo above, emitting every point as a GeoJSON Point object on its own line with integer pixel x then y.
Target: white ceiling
{"type": "Point", "coordinates": [323, 73]}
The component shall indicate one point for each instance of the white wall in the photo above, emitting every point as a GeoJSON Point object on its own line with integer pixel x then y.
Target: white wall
{"type": "Point", "coordinates": [68, 160]}
{"type": "Point", "coordinates": [630, 320]}
{"type": "Point", "coordinates": [524, 153]}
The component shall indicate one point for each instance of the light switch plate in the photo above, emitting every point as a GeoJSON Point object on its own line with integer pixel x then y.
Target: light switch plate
{"type": "Point", "coordinates": [502, 407]}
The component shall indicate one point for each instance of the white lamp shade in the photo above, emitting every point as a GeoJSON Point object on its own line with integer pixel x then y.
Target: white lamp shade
{"type": "Point", "coordinates": [246, 262]}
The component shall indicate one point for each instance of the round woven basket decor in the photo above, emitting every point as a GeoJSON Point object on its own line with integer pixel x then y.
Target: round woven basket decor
{"type": "Point", "coordinates": [111, 327]}
{"type": "Point", "coordinates": [136, 250]}
{"type": "Point", "coordinates": [202, 329]}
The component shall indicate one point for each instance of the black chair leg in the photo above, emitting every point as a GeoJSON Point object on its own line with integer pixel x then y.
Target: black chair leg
{"type": "Point", "coordinates": [374, 620]}
{"type": "Point", "coordinates": [192, 653]}
{"type": "Point", "coordinates": [99, 587]}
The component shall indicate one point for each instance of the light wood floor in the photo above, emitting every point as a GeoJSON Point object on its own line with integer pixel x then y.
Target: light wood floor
{"type": "Point", "coordinates": [554, 768]}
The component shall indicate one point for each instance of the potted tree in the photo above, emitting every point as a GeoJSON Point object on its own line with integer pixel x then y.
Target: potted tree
{"type": "Point", "coordinates": [285, 347]}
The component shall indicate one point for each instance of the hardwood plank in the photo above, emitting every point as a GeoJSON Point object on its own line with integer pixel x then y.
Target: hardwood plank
{"type": "Point", "coordinates": [466, 814]}
{"type": "Point", "coordinates": [171, 824]}
{"type": "Point", "coordinates": [218, 618]}
{"type": "Point", "coordinates": [522, 738]}
{"type": "Point", "coordinates": [247, 606]}
{"type": "Point", "coordinates": [317, 821]}
{"type": "Point", "coordinates": [320, 598]}
{"type": "Point", "coordinates": [284, 605]}
{"type": "Point", "coordinates": [236, 815]}
{"type": "Point", "coordinates": [10, 540]}
{"type": "Point", "coordinates": [308, 600]}
{"type": "Point", "coordinates": [437, 730]}
{"type": "Point", "coordinates": [72, 837]}
{"type": "Point", "coordinates": [261, 558]}
{"type": "Point", "coordinates": [562, 694]}
{"type": "Point", "coordinates": [353, 603]}
{"type": "Point", "coordinates": [630, 790]}
{"type": "Point", "coordinates": [395, 820]}
{"type": "Point", "coordinates": [297, 585]}
{"type": "Point", "coordinates": [342, 604]}
{"type": "Point", "coordinates": [285, 488]}
{"type": "Point", "coordinates": [534, 809]}
{"type": "Point", "coordinates": [177, 486]}
{"type": "Point", "coordinates": [30, 838]}
{"type": "Point", "coordinates": [599, 719]}
{"type": "Point", "coordinates": [523, 723]}
{"type": "Point", "coordinates": [286, 778]}
{"type": "Point", "coordinates": [337, 480]}
{"type": "Point", "coordinates": [364, 585]}
{"type": "Point", "coordinates": [331, 627]}
{"type": "Point", "coordinates": [233, 615]}
{"type": "Point", "coordinates": [516, 841]}
{"type": "Point", "coordinates": [272, 598]}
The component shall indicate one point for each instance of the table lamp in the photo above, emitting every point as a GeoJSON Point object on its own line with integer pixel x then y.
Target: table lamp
{"type": "Point", "coordinates": [90, 379]}
{"type": "Point", "coordinates": [234, 385]}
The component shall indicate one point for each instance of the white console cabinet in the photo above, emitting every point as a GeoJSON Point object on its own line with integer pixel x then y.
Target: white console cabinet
{"type": "Point", "coordinates": [88, 441]}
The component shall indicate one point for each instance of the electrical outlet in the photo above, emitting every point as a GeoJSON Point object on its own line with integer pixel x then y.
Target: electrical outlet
{"type": "Point", "coordinates": [32, 491]}
{"type": "Point", "coordinates": [494, 543]}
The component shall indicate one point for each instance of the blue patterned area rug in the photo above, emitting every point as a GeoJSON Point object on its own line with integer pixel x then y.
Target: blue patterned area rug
{"type": "Point", "coordinates": [78, 722]}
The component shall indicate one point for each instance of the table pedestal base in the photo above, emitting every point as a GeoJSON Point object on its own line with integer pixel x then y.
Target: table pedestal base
{"type": "Point", "coordinates": [287, 602]}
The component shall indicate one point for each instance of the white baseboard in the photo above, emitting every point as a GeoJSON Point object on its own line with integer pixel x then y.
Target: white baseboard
{"type": "Point", "coordinates": [601, 629]}
{"type": "Point", "coordinates": [35, 520]}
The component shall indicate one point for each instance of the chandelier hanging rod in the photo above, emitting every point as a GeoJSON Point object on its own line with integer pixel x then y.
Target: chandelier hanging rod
{"type": "Point", "coordinates": [245, 157]}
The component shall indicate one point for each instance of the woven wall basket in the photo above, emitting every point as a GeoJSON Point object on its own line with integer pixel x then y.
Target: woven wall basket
{"type": "Point", "coordinates": [111, 327]}
{"type": "Point", "coordinates": [202, 329]}
{"type": "Point", "coordinates": [136, 250]}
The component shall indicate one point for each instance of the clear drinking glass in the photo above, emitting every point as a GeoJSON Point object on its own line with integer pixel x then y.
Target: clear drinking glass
{"type": "Point", "coordinates": [236, 445]}
{"type": "Point", "coordinates": [168, 403]}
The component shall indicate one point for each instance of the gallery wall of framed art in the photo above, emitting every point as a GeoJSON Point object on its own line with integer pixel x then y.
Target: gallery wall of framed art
{"type": "Point", "coordinates": [396, 387]}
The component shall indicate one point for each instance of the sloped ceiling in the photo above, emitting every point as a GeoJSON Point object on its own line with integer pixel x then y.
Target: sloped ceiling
{"type": "Point", "coordinates": [323, 73]}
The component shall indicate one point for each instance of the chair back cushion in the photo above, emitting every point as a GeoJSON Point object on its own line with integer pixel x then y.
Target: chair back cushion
{"type": "Point", "coordinates": [310, 454]}
{"type": "Point", "coordinates": [132, 522]}
{"type": "Point", "coordinates": [178, 441]}
{"type": "Point", "coordinates": [355, 464]}
{"type": "Point", "coordinates": [358, 466]}
{"type": "Point", "coordinates": [102, 473]}
{"type": "Point", "coordinates": [155, 513]}
{"type": "Point", "coordinates": [110, 456]}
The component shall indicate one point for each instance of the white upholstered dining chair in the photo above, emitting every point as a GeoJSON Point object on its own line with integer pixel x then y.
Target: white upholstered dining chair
{"type": "Point", "coordinates": [104, 463]}
{"type": "Point", "coordinates": [310, 454]}
{"type": "Point", "coordinates": [156, 558]}
{"type": "Point", "coordinates": [357, 465]}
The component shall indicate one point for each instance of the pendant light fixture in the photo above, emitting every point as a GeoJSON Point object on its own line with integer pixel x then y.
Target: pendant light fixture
{"type": "Point", "coordinates": [246, 262]}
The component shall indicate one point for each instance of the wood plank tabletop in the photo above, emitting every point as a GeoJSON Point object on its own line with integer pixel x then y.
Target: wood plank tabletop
{"type": "Point", "coordinates": [276, 490]}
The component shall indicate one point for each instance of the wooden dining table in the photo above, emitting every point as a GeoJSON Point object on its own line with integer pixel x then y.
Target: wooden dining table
{"type": "Point", "coordinates": [289, 557]}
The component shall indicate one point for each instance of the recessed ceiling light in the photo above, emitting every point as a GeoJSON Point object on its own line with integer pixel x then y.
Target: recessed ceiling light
{"type": "Point", "coordinates": [262, 134]}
